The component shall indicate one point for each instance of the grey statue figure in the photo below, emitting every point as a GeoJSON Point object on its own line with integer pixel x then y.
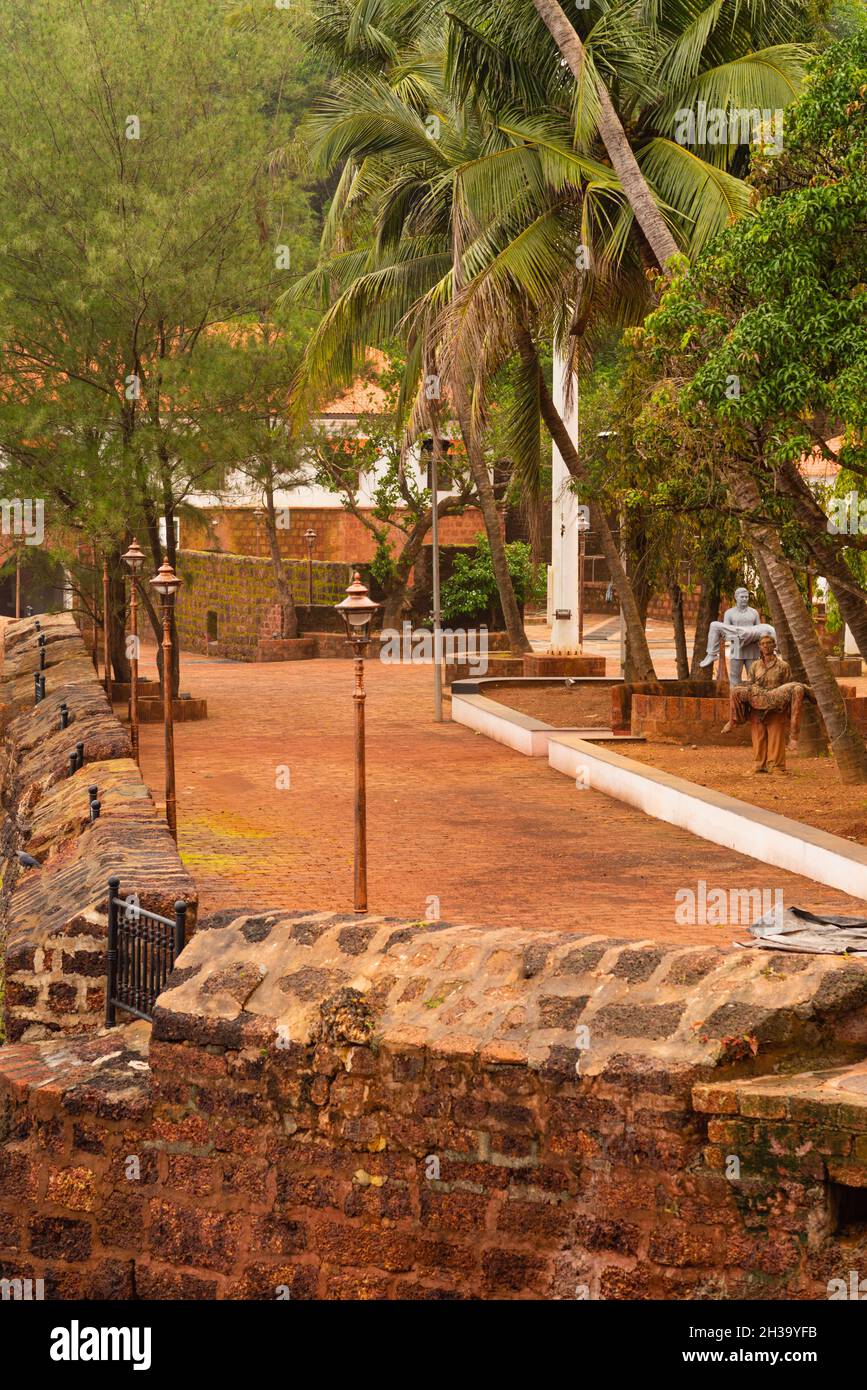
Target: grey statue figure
{"type": "Point", "coordinates": [741, 627]}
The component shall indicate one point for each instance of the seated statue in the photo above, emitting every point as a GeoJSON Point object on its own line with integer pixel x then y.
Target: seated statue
{"type": "Point", "coordinates": [769, 700]}
{"type": "Point", "coordinates": [741, 627]}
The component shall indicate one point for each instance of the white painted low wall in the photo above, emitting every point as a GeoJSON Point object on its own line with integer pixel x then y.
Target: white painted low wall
{"type": "Point", "coordinates": [519, 731]}
{"type": "Point", "coordinates": [763, 835]}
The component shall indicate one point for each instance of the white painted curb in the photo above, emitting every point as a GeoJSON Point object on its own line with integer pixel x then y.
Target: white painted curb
{"type": "Point", "coordinates": [721, 819]}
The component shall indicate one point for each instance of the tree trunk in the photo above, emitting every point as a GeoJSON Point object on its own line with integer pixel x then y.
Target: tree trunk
{"type": "Point", "coordinates": [394, 594]}
{"type": "Point", "coordinates": [118, 629]}
{"type": "Point", "coordinates": [813, 741]}
{"type": "Point", "coordinates": [152, 602]}
{"type": "Point", "coordinates": [851, 599]}
{"type": "Point", "coordinates": [288, 612]}
{"type": "Point", "coordinates": [847, 745]}
{"type": "Point", "coordinates": [635, 634]}
{"type": "Point", "coordinates": [675, 593]}
{"type": "Point", "coordinates": [636, 562]}
{"type": "Point", "coordinates": [708, 612]}
{"type": "Point", "coordinates": [479, 471]}
{"type": "Point", "coordinates": [393, 600]}
{"type": "Point", "coordinates": [625, 165]}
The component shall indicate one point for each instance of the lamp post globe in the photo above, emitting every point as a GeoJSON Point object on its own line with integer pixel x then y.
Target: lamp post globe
{"type": "Point", "coordinates": [357, 611]}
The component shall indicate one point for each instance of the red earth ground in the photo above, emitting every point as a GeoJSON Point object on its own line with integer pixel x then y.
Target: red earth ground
{"type": "Point", "coordinates": [495, 837]}
{"type": "Point", "coordinates": [811, 790]}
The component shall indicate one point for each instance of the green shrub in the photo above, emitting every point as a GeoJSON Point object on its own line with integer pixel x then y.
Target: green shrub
{"type": "Point", "coordinates": [472, 589]}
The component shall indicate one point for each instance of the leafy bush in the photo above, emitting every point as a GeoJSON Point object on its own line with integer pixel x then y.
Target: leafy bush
{"type": "Point", "coordinates": [472, 589]}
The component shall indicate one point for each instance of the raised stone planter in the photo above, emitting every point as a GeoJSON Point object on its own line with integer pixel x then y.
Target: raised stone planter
{"type": "Point", "coordinates": [497, 665]}
{"type": "Point", "coordinates": [699, 719]}
{"type": "Point", "coordinates": [147, 689]}
{"type": "Point", "coordinates": [622, 695]}
{"type": "Point", "coordinates": [184, 711]}
{"type": "Point", "coordinates": [150, 702]}
{"type": "Point", "coordinates": [846, 665]}
{"type": "Point", "coordinates": [685, 719]}
{"type": "Point", "coordinates": [287, 649]}
{"type": "Point", "coordinates": [546, 664]}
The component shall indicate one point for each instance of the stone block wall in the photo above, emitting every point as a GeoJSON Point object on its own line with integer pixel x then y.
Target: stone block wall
{"type": "Point", "coordinates": [240, 590]}
{"type": "Point", "coordinates": [699, 718]}
{"type": "Point", "coordinates": [659, 606]}
{"type": "Point", "coordinates": [624, 693]}
{"type": "Point", "coordinates": [799, 1148]}
{"type": "Point", "coordinates": [340, 537]}
{"type": "Point", "coordinates": [340, 1108]}
{"type": "Point", "coordinates": [53, 922]}
{"type": "Point", "coordinates": [686, 719]}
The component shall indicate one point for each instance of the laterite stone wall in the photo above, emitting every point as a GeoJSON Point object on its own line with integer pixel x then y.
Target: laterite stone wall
{"type": "Point", "coordinates": [334, 1107]}
{"type": "Point", "coordinates": [241, 591]}
{"type": "Point", "coordinates": [340, 537]}
{"type": "Point", "coordinates": [699, 719]}
{"type": "Point", "coordinates": [53, 923]}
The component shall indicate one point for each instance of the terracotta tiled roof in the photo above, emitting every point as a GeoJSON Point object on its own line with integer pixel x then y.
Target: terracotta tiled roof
{"type": "Point", "coordinates": [817, 466]}
{"type": "Point", "coordinates": [365, 396]}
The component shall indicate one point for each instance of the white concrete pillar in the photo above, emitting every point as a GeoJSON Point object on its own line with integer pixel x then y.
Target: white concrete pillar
{"type": "Point", "coordinates": [564, 528]}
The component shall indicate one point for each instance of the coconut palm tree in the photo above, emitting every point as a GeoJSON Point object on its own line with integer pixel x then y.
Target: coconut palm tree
{"type": "Point", "coordinates": [501, 59]}
{"type": "Point", "coordinates": [612, 133]}
{"type": "Point", "coordinates": [473, 204]}
{"type": "Point", "coordinates": [381, 129]}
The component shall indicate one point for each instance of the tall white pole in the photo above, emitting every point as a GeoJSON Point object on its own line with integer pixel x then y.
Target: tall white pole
{"type": "Point", "coordinates": [564, 527]}
{"type": "Point", "coordinates": [435, 575]}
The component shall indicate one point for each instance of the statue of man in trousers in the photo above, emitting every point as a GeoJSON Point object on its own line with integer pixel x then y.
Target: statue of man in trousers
{"type": "Point", "coordinates": [741, 627]}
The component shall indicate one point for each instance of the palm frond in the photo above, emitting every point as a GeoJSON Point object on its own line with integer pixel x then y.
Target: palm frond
{"type": "Point", "coordinates": [703, 198]}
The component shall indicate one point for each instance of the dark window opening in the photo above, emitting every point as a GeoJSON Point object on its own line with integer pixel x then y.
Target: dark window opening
{"type": "Point", "coordinates": [848, 1209]}
{"type": "Point", "coordinates": [212, 626]}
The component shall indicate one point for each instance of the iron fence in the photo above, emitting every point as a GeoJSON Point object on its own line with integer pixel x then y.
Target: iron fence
{"type": "Point", "coordinates": [142, 950]}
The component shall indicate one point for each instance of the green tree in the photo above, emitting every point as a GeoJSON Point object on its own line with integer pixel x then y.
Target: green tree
{"type": "Point", "coordinates": [766, 339]}
{"type": "Point", "coordinates": [467, 206]}
{"type": "Point", "coordinates": [401, 516]}
{"type": "Point", "coordinates": [140, 211]}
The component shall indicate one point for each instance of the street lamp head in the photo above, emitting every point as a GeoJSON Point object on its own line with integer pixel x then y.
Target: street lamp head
{"type": "Point", "coordinates": [583, 522]}
{"type": "Point", "coordinates": [258, 514]}
{"type": "Point", "coordinates": [310, 536]}
{"type": "Point", "coordinates": [357, 610]}
{"type": "Point", "coordinates": [165, 581]}
{"type": "Point", "coordinates": [134, 557]}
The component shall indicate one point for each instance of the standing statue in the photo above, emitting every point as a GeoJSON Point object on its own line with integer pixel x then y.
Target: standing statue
{"type": "Point", "coordinates": [741, 627]}
{"type": "Point", "coordinates": [769, 700]}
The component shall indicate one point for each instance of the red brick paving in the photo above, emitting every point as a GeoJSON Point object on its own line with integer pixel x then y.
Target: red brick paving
{"type": "Point", "coordinates": [497, 837]}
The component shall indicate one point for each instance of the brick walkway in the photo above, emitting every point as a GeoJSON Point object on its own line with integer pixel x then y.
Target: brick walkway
{"type": "Point", "coordinates": [497, 837]}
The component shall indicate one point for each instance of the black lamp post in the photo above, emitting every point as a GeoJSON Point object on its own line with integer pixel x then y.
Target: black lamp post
{"type": "Point", "coordinates": [166, 583]}
{"type": "Point", "coordinates": [357, 611]}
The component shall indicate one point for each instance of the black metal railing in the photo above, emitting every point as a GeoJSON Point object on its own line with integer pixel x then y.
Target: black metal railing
{"type": "Point", "coordinates": [142, 950]}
